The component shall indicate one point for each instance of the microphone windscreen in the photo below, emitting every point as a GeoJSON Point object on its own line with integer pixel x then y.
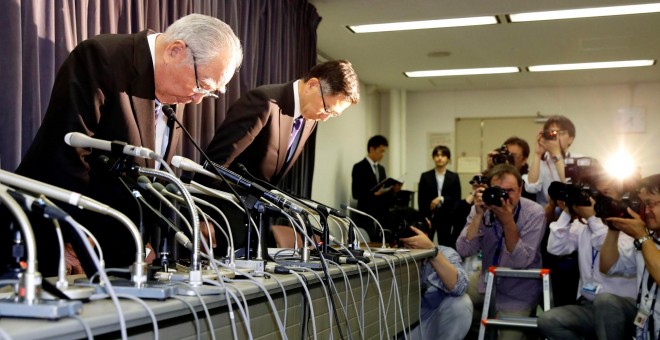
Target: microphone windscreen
{"type": "Point", "coordinates": [343, 206]}
{"type": "Point", "coordinates": [172, 188]}
{"type": "Point", "coordinates": [143, 181]}
{"type": "Point", "coordinates": [159, 187]}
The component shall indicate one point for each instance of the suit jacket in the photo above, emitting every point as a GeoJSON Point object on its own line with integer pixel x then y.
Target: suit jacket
{"type": "Point", "coordinates": [256, 133]}
{"type": "Point", "coordinates": [105, 89]}
{"type": "Point", "coordinates": [363, 179]}
{"type": "Point", "coordinates": [428, 190]}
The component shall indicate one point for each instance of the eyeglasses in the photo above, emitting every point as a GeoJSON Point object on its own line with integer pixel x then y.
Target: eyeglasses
{"type": "Point", "coordinates": [199, 89]}
{"type": "Point", "coordinates": [332, 113]}
{"type": "Point", "coordinates": [652, 205]}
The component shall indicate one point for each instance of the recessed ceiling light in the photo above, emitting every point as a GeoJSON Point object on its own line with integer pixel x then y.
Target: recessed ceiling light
{"type": "Point", "coordinates": [585, 12]}
{"type": "Point", "coordinates": [424, 24]}
{"type": "Point", "coordinates": [461, 72]}
{"type": "Point", "coordinates": [590, 66]}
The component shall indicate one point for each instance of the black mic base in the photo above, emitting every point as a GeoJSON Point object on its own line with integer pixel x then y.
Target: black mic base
{"type": "Point", "coordinates": [354, 252]}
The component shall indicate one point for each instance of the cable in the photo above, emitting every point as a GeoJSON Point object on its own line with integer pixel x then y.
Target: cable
{"type": "Point", "coordinates": [284, 295]}
{"type": "Point", "coordinates": [192, 311]}
{"type": "Point", "coordinates": [325, 291]}
{"type": "Point", "coordinates": [303, 284]}
{"type": "Point", "coordinates": [104, 276]}
{"type": "Point", "coordinates": [346, 284]}
{"type": "Point", "coordinates": [380, 298]}
{"type": "Point", "coordinates": [146, 307]}
{"type": "Point", "coordinates": [209, 322]}
{"type": "Point", "coordinates": [85, 326]}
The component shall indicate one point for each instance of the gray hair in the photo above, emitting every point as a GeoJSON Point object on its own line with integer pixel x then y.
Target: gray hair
{"type": "Point", "coordinates": [206, 38]}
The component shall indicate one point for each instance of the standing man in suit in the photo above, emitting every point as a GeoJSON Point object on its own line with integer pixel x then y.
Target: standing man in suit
{"type": "Point", "coordinates": [267, 128]}
{"type": "Point", "coordinates": [438, 191]}
{"type": "Point", "coordinates": [365, 175]}
{"type": "Point", "coordinates": [112, 87]}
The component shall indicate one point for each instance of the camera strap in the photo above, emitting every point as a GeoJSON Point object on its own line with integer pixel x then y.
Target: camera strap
{"type": "Point", "coordinates": [645, 306]}
{"type": "Point", "coordinates": [500, 237]}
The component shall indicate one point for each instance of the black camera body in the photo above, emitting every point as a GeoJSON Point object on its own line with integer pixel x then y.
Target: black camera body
{"type": "Point", "coordinates": [550, 134]}
{"type": "Point", "coordinates": [502, 156]}
{"type": "Point", "coordinates": [479, 180]}
{"type": "Point", "coordinates": [608, 207]}
{"type": "Point", "coordinates": [582, 169]}
{"type": "Point", "coordinates": [402, 229]}
{"type": "Point", "coordinates": [493, 196]}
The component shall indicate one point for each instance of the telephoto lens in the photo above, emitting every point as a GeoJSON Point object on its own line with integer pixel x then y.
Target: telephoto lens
{"type": "Point", "coordinates": [493, 196]}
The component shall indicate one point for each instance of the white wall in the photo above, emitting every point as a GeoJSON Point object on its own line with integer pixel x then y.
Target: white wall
{"type": "Point", "coordinates": [342, 142]}
{"type": "Point", "coordinates": [592, 110]}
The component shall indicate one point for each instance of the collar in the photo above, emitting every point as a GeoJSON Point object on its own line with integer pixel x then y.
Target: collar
{"type": "Point", "coordinates": [372, 163]}
{"type": "Point", "coordinates": [296, 99]}
{"type": "Point", "coordinates": [151, 39]}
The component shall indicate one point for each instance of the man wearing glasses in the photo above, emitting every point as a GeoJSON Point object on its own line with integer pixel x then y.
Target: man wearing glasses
{"type": "Point", "coordinates": [552, 146]}
{"type": "Point", "coordinates": [112, 87]}
{"type": "Point", "coordinates": [267, 128]}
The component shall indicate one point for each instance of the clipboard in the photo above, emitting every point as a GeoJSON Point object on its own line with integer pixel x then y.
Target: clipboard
{"type": "Point", "coordinates": [386, 183]}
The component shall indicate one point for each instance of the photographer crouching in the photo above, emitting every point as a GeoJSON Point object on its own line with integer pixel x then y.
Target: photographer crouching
{"type": "Point", "coordinates": [446, 309]}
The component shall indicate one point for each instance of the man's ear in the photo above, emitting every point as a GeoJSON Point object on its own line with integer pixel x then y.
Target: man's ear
{"type": "Point", "coordinates": [176, 50]}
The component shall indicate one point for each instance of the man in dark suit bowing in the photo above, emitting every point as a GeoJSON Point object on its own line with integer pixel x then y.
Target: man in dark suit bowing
{"type": "Point", "coordinates": [438, 191]}
{"type": "Point", "coordinates": [267, 128]}
{"type": "Point", "coordinates": [112, 87]}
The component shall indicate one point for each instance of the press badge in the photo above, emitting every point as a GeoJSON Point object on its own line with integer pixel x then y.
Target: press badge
{"type": "Point", "coordinates": [591, 288]}
{"type": "Point", "coordinates": [642, 314]}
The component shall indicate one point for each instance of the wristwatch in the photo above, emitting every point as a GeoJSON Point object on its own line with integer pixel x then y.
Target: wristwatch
{"type": "Point", "coordinates": [638, 242]}
{"type": "Point", "coordinates": [435, 253]}
{"type": "Point", "coordinates": [556, 158]}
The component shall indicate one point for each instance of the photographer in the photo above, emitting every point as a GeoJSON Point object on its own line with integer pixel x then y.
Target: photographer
{"type": "Point", "coordinates": [552, 144]}
{"type": "Point", "coordinates": [514, 151]}
{"type": "Point", "coordinates": [438, 191]}
{"type": "Point", "coordinates": [508, 230]}
{"type": "Point", "coordinates": [642, 260]}
{"type": "Point", "coordinates": [446, 309]}
{"type": "Point", "coordinates": [604, 300]}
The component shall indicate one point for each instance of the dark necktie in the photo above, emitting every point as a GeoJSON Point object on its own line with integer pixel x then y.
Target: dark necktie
{"type": "Point", "coordinates": [297, 124]}
{"type": "Point", "coordinates": [377, 173]}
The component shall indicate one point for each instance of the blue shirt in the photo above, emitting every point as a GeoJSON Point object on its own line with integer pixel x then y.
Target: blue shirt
{"type": "Point", "coordinates": [434, 290]}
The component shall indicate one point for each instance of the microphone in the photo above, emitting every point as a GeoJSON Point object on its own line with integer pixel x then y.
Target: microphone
{"type": "Point", "coordinates": [139, 267]}
{"type": "Point", "coordinates": [189, 165]}
{"type": "Point", "coordinates": [382, 231]}
{"type": "Point", "coordinates": [80, 140]}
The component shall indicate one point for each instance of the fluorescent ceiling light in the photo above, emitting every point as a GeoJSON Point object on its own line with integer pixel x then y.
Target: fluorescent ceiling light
{"type": "Point", "coordinates": [418, 25]}
{"type": "Point", "coordinates": [590, 66]}
{"type": "Point", "coordinates": [585, 12]}
{"type": "Point", "coordinates": [461, 72]}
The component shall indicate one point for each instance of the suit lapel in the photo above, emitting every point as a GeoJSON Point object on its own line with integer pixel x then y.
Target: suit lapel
{"type": "Point", "coordinates": [143, 109]}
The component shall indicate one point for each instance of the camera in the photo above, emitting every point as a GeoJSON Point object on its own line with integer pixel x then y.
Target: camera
{"type": "Point", "coordinates": [502, 156]}
{"type": "Point", "coordinates": [550, 134]}
{"type": "Point", "coordinates": [479, 180]}
{"type": "Point", "coordinates": [609, 207]}
{"type": "Point", "coordinates": [402, 229]}
{"type": "Point", "coordinates": [572, 194]}
{"type": "Point", "coordinates": [492, 196]}
{"type": "Point", "coordinates": [582, 169]}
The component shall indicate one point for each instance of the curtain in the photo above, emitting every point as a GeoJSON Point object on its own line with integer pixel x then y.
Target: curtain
{"type": "Point", "coordinates": [278, 37]}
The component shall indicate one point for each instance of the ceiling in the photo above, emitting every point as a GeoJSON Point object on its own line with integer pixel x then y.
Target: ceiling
{"type": "Point", "coordinates": [381, 58]}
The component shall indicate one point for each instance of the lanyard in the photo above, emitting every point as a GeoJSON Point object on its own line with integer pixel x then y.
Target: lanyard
{"type": "Point", "coordinates": [650, 283]}
{"type": "Point", "coordinates": [594, 254]}
{"type": "Point", "coordinates": [500, 238]}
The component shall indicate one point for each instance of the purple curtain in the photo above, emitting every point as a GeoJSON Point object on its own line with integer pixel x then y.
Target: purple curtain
{"type": "Point", "coordinates": [278, 37]}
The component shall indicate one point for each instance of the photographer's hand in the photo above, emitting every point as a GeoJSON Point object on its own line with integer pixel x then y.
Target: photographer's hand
{"type": "Point", "coordinates": [419, 241]}
{"type": "Point", "coordinates": [505, 216]}
{"type": "Point", "coordinates": [479, 204]}
{"type": "Point", "coordinates": [635, 227]}
{"type": "Point", "coordinates": [585, 211]}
